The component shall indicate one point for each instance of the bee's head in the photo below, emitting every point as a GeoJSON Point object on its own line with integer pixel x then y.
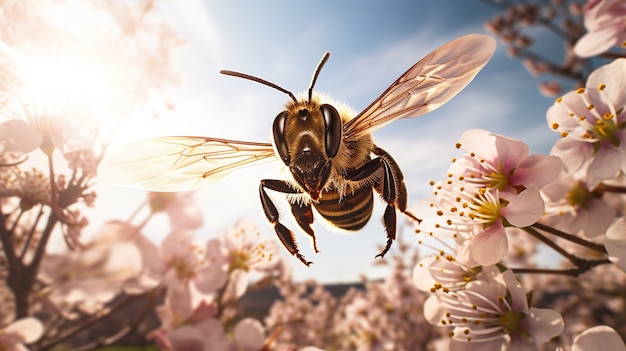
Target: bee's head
{"type": "Point", "coordinates": [307, 136]}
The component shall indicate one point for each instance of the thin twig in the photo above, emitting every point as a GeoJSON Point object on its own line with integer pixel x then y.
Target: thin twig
{"type": "Point", "coordinates": [572, 238]}
{"type": "Point", "coordinates": [31, 233]}
{"type": "Point", "coordinates": [572, 258]}
{"type": "Point", "coordinates": [91, 320]}
{"type": "Point", "coordinates": [584, 266]}
{"type": "Point", "coordinates": [606, 188]}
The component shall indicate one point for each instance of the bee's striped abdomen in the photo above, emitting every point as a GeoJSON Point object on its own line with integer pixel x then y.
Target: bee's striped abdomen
{"type": "Point", "coordinates": [350, 212]}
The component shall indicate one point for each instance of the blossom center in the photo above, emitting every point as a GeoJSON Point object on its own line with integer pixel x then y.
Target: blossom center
{"type": "Point", "coordinates": [498, 180]}
{"type": "Point", "coordinates": [184, 270]}
{"type": "Point", "coordinates": [578, 195]}
{"type": "Point", "coordinates": [486, 207]}
{"type": "Point", "coordinates": [510, 321]}
{"type": "Point", "coordinates": [606, 129]}
{"type": "Point", "coordinates": [240, 260]}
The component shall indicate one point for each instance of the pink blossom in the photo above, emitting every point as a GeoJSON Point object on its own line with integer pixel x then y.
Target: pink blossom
{"type": "Point", "coordinates": [550, 88]}
{"type": "Point", "coordinates": [442, 272]}
{"type": "Point", "coordinates": [89, 277]}
{"type": "Point", "coordinates": [244, 251]}
{"type": "Point", "coordinates": [497, 162]}
{"type": "Point", "coordinates": [479, 216]}
{"type": "Point", "coordinates": [188, 262]}
{"type": "Point", "coordinates": [493, 186]}
{"type": "Point", "coordinates": [31, 186]}
{"type": "Point", "coordinates": [572, 207]}
{"type": "Point", "coordinates": [181, 208]}
{"type": "Point", "coordinates": [33, 121]}
{"type": "Point", "coordinates": [604, 20]}
{"type": "Point", "coordinates": [20, 332]}
{"type": "Point", "coordinates": [592, 123]}
{"type": "Point", "coordinates": [492, 313]}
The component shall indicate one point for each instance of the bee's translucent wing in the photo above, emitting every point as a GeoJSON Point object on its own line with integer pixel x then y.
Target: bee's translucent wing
{"type": "Point", "coordinates": [430, 83]}
{"type": "Point", "coordinates": [179, 163]}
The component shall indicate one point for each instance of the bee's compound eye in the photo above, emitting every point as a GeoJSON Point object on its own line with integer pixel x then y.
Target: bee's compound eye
{"type": "Point", "coordinates": [334, 129]}
{"type": "Point", "coordinates": [280, 142]}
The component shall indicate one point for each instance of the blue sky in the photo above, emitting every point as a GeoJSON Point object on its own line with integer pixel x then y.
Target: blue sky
{"type": "Point", "coordinates": [372, 43]}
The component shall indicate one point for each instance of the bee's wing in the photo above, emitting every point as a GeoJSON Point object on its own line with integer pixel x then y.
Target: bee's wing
{"type": "Point", "coordinates": [430, 83]}
{"type": "Point", "coordinates": [179, 163]}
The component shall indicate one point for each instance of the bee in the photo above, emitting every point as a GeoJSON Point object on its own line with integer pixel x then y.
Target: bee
{"type": "Point", "coordinates": [335, 165]}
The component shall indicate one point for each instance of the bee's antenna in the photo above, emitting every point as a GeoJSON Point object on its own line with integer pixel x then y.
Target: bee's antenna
{"type": "Point", "coordinates": [317, 73]}
{"type": "Point", "coordinates": [259, 80]}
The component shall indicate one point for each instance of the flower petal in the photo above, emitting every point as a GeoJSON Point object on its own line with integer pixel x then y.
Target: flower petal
{"type": "Point", "coordinates": [605, 165]}
{"type": "Point", "coordinates": [616, 243]}
{"type": "Point", "coordinates": [238, 283]}
{"type": "Point", "coordinates": [543, 324]}
{"type": "Point", "coordinates": [422, 278]}
{"type": "Point", "coordinates": [19, 136]}
{"type": "Point", "coordinates": [524, 209]}
{"type": "Point", "coordinates": [594, 43]}
{"type": "Point", "coordinates": [613, 76]}
{"type": "Point", "coordinates": [599, 218]}
{"type": "Point", "coordinates": [538, 170]}
{"type": "Point", "coordinates": [28, 329]}
{"type": "Point", "coordinates": [249, 334]}
{"type": "Point", "coordinates": [489, 246]}
{"type": "Point", "coordinates": [599, 338]}
{"type": "Point", "coordinates": [575, 154]}
{"type": "Point", "coordinates": [434, 311]}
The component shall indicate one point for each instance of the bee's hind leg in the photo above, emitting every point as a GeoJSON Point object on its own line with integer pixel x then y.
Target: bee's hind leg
{"type": "Point", "coordinates": [389, 183]}
{"type": "Point", "coordinates": [271, 213]}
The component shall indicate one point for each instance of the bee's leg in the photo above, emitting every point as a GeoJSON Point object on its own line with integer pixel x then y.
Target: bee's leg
{"type": "Point", "coordinates": [379, 170]}
{"type": "Point", "coordinates": [304, 216]}
{"type": "Point", "coordinates": [401, 196]}
{"type": "Point", "coordinates": [389, 183]}
{"type": "Point", "coordinates": [271, 212]}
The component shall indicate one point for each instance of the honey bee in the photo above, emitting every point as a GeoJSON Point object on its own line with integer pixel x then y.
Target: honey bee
{"type": "Point", "coordinates": [335, 165]}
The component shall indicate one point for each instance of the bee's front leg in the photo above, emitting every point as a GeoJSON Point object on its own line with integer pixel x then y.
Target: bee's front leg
{"type": "Point", "coordinates": [304, 216]}
{"type": "Point", "coordinates": [271, 212]}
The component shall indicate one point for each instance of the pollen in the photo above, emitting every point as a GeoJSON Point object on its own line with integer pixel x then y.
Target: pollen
{"type": "Point", "coordinates": [559, 100]}
{"type": "Point", "coordinates": [555, 126]}
{"type": "Point", "coordinates": [608, 115]}
{"type": "Point", "coordinates": [564, 134]}
{"type": "Point", "coordinates": [601, 86]}
{"type": "Point", "coordinates": [590, 107]}
{"type": "Point", "coordinates": [458, 145]}
{"type": "Point", "coordinates": [580, 90]}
